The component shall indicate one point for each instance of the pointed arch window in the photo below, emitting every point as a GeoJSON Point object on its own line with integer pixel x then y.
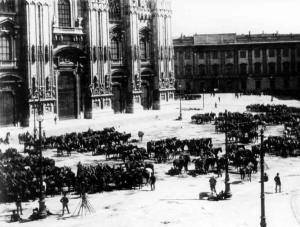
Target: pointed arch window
{"type": "Point", "coordinates": [116, 49]}
{"type": "Point", "coordinates": [5, 48]}
{"type": "Point", "coordinates": [144, 49]}
{"type": "Point", "coordinates": [64, 13]}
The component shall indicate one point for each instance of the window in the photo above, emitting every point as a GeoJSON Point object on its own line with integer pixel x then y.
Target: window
{"type": "Point", "coordinates": [258, 84]}
{"type": "Point", "coordinates": [298, 52]}
{"type": "Point", "coordinates": [81, 8]}
{"type": "Point", "coordinates": [271, 53]}
{"type": "Point", "coordinates": [257, 53]}
{"type": "Point", "coordinates": [243, 68]}
{"type": "Point", "coordinates": [5, 48]}
{"type": "Point", "coordinates": [215, 54]}
{"type": "Point", "coordinates": [286, 83]}
{"type": "Point", "coordinates": [272, 83]}
{"type": "Point", "coordinates": [64, 13]}
{"type": "Point", "coordinates": [202, 69]}
{"type": "Point", "coordinates": [257, 68]}
{"type": "Point", "coordinates": [298, 66]}
{"type": "Point", "coordinates": [114, 49]}
{"type": "Point", "coordinates": [7, 5]}
{"type": "Point", "coordinates": [144, 49]}
{"type": "Point", "coordinates": [33, 53]}
{"type": "Point", "coordinates": [272, 66]}
{"type": "Point", "coordinates": [47, 84]}
{"type": "Point", "coordinates": [229, 69]}
{"type": "Point", "coordinates": [46, 53]}
{"type": "Point", "coordinates": [188, 70]}
{"type": "Point", "coordinates": [215, 69]}
{"type": "Point", "coordinates": [187, 55]}
{"type": "Point", "coordinates": [201, 55]}
{"type": "Point", "coordinates": [242, 54]}
{"type": "Point", "coordinates": [229, 54]}
{"type": "Point", "coordinates": [286, 52]}
{"type": "Point", "coordinates": [286, 67]}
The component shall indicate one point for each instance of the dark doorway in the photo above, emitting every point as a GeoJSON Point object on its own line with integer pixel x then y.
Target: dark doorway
{"type": "Point", "coordinates": [145, 97]}
{"type": "Point", "coordinates": [116, 100]}
{"type": "Point", "coordinates": [7, 111]}
{"type": "Point", "coordinates": [67, 108]}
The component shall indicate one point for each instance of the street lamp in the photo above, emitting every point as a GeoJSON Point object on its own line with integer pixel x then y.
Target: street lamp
{"type": "Point", "coordinates": [180, 111]}
{"type": "Point", "coordinates": [227, 179]}
{"type": "Point", "coordinates": [262, 181]}
{"type": "Point", "coordinates": [42, 213]}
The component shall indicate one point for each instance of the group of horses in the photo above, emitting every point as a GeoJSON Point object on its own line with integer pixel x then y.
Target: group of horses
{"type": "Point", "coordinates": [170, 148]}
{"type": "Point", "coordinates": [19, 175]}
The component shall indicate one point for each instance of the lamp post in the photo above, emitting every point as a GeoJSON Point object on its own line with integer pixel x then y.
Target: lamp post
{"type": "Point", "coordinates": [262, 182]}
{"type": "Point", "coordinates": [180, 111]}
{"type": "Point", "coordinates": [42, 206]}
{"type": "Point", "coordinates": [227, 179]}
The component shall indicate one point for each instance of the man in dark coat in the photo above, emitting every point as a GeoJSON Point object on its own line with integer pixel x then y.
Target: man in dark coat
{"type": "Point", "coordinates": [277, 183]}
{"type": "Point", "coordinates": [64, 200]}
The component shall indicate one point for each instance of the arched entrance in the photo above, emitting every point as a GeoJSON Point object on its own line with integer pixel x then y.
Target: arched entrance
{"type": "Point", "coordinates": [12, 100]}
{"type": "Point", "coordinates": [7, 108]}
{"type": "Point", "coordinates": [67, 104]}
{"type": "Point", "coordinates": [145, 96]}
{"type": "Point", "coordinates": [73, 93]}
{"type": "Point", "coordinates": [116, 99]}
{"type": "Point", "coordinates": [147, 89]}
{"type": "Point", "coordinates": [119, 91]}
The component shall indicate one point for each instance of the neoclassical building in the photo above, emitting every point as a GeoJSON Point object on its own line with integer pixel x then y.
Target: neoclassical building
{"type": "Point", "coordinates": [84, 58]}
{"type": "Point", "coordinates": [231, 62]}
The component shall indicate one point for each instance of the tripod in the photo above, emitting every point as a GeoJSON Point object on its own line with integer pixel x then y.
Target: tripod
{"type": "Point", "coordinates": [84, 206]}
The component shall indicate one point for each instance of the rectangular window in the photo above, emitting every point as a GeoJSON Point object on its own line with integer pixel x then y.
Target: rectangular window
{"type": "Point", "coordinates": [286, 52]}
{"type": "Point", "coordinates": [298, 52]}
{"type": "Point", "coordinates": [271, 53]}
{"type": "Point", "coordinates": [242, 54]}
{"type": "Point", "coordinates": [257, 53]}
{"type": "Point", "coordinates": [215, 54]}
{"type": "Point", "coordinates": [229, 54]}
{"type": "Point", "coordinates": [202, 69]}
{"type": "Point", "coordinates": [257, 84]}
{"type": "Point", "coordinates": [286, 83]}
{"type": "Point", "coordinates": [5, 51]}
{"type": "Point", "coordinates": [201, 55]}
{"type": "Point", "coordinates": [187, 55]}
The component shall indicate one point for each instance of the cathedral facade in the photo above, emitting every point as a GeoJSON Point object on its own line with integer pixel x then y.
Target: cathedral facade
{"type": "Point", "coordinates": [77, 59]}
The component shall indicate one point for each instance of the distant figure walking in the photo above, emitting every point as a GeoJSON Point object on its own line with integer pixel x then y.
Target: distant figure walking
{"type": "Point", "coordinates": [277, 183]}
{"type": "Point", "coordinates": [212, 183]}
{"type": "Point", "coordinates": [64, 200]}
{"type": "Point", "coordinates": [216, 105]}
{"type": "Point", "coordinates": [152, 181]}
{"type": "Point", "coordinates": [55, 119]}
{"type": "Point", "coordinates": [219, 99]}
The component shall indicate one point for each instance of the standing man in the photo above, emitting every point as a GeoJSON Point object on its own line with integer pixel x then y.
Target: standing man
{"type": "Point", "coordinates": [277, 183]}
{"type": "Point", "coordinates": [212, 183]}
{"type": "Point", "coordinates": [64, 200]}
{"type": "Point", "coordinates": [152, 181]}
{"type": "Point", "coordinates": [19, 205]}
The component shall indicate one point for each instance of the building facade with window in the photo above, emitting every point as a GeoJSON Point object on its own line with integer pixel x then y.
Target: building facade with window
{"type": "Point", "coordinates": [230, 62]}
{"type": "Point", "coordinates": [84, 58]}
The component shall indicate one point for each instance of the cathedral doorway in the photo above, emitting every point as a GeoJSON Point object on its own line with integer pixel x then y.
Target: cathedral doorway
{"type": "Point", "coordinates": [145, 96]}
{"type": "Point", "coordinates": [116, 99]}
{"type": "Point", "coordinates": [67, 105]}
{"type": "Point", "coordinates": [7, 110]}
